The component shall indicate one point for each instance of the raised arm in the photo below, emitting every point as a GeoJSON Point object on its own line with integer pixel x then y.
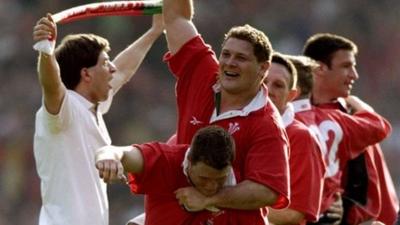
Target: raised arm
{"type": "Point", "coordinates": [113, 161]}
{"type": "Point", "coordinates": [53, 88]}
{"type": "Point", "coordinates": [128, 61]}
{"type": "Point", "coordinates": [178, 23]}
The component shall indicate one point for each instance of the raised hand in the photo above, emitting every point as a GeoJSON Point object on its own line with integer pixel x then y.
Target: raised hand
{"type": "Point", "coordinates": [45, 29]}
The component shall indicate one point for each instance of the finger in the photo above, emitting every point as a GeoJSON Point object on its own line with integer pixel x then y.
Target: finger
{"type": "Point", "coordinates": [106, 172]}
{"type": "Point", "coordinates": [49, 17]}
{"type": "Point", "coordinates": [121, 175]}
{"type": "Point", "coordinates": [114, 175]}
{"type": "Point", "coordinates": [180, 194]}
{"type": "Point", "coordinates": [44, 29]}
{"type": "Point", "coordinates": [333, 215]}
{"type": "Point", "coordinates": [47, 23]}
{"type": "Point", "coordinates": [124, 179]}
{"type": "Point", "coordinates": [178, 191]}
{"type": "Point", "coordinates": [100, 168]}
{"type": "Point", "coordinates": [120, 170]}
{"type": "Point", "coordinates": [41, 35]}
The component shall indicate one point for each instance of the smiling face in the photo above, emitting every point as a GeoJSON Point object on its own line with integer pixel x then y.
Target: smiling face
{"type": "Point", "coordinates": [206, 179]}
{"type": "Point", "coordinates": [239, 70]}
{"type": "Point", "coordinates": [100, 76]}
{"type": "Point", "coordinates": [338, 79]}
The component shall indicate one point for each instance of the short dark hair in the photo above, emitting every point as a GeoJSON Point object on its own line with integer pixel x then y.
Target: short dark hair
{"type": "Point", "coordinates": [305, 67]}
{"type": "Point", "coordinates": [282, 60]}
{"type": "Point", "coordinates": [322, 46]}
{"type": "Point", "coordinates": [213, 146]}
{"type": "Point", "coordinates": [260, 42]}
{"type": "Point", "coordinates": [78, 51]}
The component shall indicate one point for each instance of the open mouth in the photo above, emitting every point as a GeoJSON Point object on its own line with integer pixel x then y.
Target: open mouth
{"type": "Point", "coordinates": [231, 74]}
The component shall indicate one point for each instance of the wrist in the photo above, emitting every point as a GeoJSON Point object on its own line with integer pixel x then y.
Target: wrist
{"type": "Point", "coordinates": [109, 152]}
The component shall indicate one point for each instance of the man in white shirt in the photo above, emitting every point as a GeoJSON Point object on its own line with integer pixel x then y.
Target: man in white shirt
{"type": "Point", "coordinates": [78, 82]}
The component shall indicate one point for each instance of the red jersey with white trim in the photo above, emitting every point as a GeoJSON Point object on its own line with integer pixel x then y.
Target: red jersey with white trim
{"type": "Point", "coordinates": [307, 169]}
{"type": "Point", "coordinates": [345, 137]}
{"type": "Point", "coordinates": [161, 176]}
{"type": "Point", "coordinates": [382, 202]}
{"type": "Point", "coordinates": [261, 142]}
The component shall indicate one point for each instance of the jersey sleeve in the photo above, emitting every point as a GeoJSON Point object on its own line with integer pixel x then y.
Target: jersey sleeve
{"type": "Point", "coordinates": [162, 167]}
{"type": "Point", "coordinates": [267, 160]}
{"type": "Point", "coordinates": [306, 171]}
{"type": "Point", "coordinates": [56, 123]}
{"type": "Point", "coordinates": [195, 66]}
{"type": "Point", "coordinates": [186, 60]}
{"type": "Point", "coordinates": [361, 130]}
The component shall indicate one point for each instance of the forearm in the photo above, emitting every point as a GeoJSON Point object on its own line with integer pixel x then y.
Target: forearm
{"type": "Point", "coordinates": [178, 23]}
{"type": "Point", "coordinates": [50, 80]}
{"type": "Point", "coordinates": [113, 161]}
{"type": "Point", "coordinates": [175, 9]}
{"type": "Point", "coordinates": [49, 72]}
{"type": "Point", "coordinates": [285, 216]}
{"type": "Point", "coordinates": [132, 160]}
{"type": "Point", "coordinates": [246, 195]}
{"type": "Point", "coordinates": [128, 61]}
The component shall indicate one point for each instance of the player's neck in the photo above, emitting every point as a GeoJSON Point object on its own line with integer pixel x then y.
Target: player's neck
{"type": "Point", "coordinates": [235, 101]}
{"type": "Point", "coordinates": [321, 97]}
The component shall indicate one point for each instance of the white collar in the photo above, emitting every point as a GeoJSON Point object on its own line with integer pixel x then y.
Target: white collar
{"type": "Point", "coordinates": [259, 101]}
{"type": "Point", "coordinates": [89, 105]}
{"type": "Point", "coordinates": [288, 115]}
{"type": "Point", "coordinates": [302, 105]}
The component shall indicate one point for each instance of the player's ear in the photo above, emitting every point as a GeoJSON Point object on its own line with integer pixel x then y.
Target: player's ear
{"type": "Point", "coordinates": [322, 66]}
{"type": "Point", "coordinates": [320, 69]}
{"type": "Point", "coordinates": [86, 74]}
{"type": "Point", "coordinates": [263, 72]}
{"type": "Point", "coordinates": [293, 94]}
{"type": "Point", "coordinates": [264, 68]}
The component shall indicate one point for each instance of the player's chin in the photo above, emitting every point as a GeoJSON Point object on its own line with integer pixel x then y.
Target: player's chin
{"type": "Point", "coordinates": [104, 97]}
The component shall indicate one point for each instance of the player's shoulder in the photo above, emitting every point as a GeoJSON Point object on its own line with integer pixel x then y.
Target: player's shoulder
{"type": "Point", "coordinates": [299, 129]}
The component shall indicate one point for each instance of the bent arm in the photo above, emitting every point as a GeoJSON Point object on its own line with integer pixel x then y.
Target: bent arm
{"type": "Point", "coordinates": [247, 195]}
{"type": "Point", "coordinates": [357, 104]}
{"type": "Point", "coordinates": [112, 161]}
{"type": "Point", "coordinates": [178, 23]}
{"type": "Point", "coordinates": [128, 61]}
{"type": "Point", "coordinates": [48, 69]}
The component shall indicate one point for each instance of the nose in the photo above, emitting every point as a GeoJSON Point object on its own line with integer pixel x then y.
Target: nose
{"type": "Point", "coordinates": [112, 67]}
{"type": "Point", "coordinates": [354, 74]}
{"type": "Point", "coordinates": [230, 61]}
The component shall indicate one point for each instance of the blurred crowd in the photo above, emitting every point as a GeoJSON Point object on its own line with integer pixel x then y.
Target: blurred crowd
{"type": "Point", "coordinates": [144, 110]}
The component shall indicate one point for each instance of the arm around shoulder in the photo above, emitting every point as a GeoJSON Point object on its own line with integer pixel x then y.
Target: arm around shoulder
{"type": "Point", "coordinates": [247, 195]}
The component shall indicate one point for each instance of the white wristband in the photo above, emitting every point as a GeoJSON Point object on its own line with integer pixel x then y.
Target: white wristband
{"type": "Point", "coordinates": [45, 46]}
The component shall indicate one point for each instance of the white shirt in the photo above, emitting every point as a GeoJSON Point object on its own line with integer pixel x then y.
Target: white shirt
{"type": "Point", "coordinates": [64, 150]}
